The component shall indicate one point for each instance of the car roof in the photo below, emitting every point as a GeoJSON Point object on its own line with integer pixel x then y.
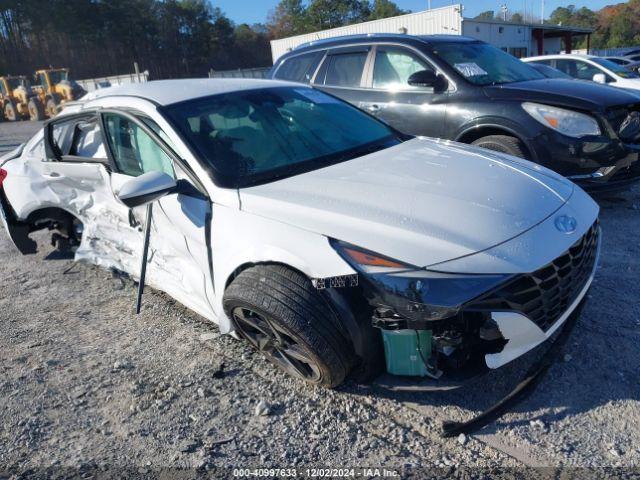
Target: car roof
{"type": "Point", "coordinates": [377, 37]}
{"type": "Point", "coordinates": [167, 92]}
{"type": "Point", "coordinates": [560, 55]}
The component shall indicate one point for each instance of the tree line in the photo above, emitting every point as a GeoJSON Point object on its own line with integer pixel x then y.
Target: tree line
{"type": "Point", "coordinates": [182, 38]}
{"type": "Point", "coordinates": [170, 38]}
{"type": "Point", "coordinates": [614, 25]}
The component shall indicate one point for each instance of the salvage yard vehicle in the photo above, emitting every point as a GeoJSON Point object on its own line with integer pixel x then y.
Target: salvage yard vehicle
{"type": "Point", "coordinates": [54, 88]}
{"type": "Point", "coordinates": [327, 240]}
{"type": "Point", "coordinates": [17, 99]}
{"type": "Point", "coordinates": [466, 90]}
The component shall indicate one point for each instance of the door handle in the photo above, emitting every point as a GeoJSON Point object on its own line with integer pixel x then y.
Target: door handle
{"type": "Point", "coordinates": [52, 174]}
{"type": "Point", "coordinates": [373, 108]}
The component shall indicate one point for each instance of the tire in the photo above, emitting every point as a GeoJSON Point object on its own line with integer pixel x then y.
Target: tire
{"type": "Point", "coordinates": [51, 107]}
{"type": "Point", "coordinates": [10, 111]}
{"type": "Point", "coordinates": [502, 143]}
{"type": "Point", "coordinates": [279, 312]}
{"type": "Point", "coordinates": [36, 112]}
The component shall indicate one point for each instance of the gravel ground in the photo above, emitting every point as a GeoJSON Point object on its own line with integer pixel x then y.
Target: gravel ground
{"type": "Point", "coordinates": [86, 384]}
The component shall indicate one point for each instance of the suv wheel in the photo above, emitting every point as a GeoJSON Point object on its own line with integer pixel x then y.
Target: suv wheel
{"type": "Point", "coordinates": [279, 312]}
{"type": "Point", "coordinates": [502, 143]}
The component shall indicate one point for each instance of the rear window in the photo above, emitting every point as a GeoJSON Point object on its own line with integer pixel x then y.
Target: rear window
{"type": "Point", "coordinates": [299, 68]}
{"type": "Point", "coordinates": [344, 70]}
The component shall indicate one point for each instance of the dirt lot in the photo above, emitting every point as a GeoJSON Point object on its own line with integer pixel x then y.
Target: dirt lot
{"type": "Point", "coordinates": [86, 384]}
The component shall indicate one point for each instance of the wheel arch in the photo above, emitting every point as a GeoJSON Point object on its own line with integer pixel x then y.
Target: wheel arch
{"type": "Point", "coordinates": [475, 132]}
{"type": "Point", "coordinates": [350, 308]}
{"type": "Point", "coordinates": [53, 218]}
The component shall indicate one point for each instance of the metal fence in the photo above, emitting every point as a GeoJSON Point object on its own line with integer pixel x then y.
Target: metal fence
{"type": "Point", "coordinates": [92, 84]}
{"type": "Point", "coordinates": [261, 72]}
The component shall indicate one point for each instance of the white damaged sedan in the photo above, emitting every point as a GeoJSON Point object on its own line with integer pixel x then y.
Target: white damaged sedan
{"type": "Point", "coordinates": [318, 234]}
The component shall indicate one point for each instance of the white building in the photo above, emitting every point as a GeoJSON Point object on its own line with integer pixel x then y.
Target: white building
{"type": "Point", "coordinates": [519, 39]}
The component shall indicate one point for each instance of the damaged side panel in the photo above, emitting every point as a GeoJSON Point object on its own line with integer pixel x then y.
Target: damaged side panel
{"type": "Point", "coordinates": [111, 233]}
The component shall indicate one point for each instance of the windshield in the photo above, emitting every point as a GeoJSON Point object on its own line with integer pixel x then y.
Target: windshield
{"type": "Point", "coordinates": [615, 68]}
{"type": "Point", "coordinates": [484, 64]}
{"type": "Point", "coordinates": [58, 76]}
{"type": "Point", "coordinates": [18, 82]}
{"type": "Point", "coordinates": [258, 136]}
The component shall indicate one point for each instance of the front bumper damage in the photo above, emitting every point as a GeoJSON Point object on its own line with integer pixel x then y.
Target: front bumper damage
{"type": "Point", "coordinates": [510, 317]}
{"type": "Point", "coordinates": [599, 164]}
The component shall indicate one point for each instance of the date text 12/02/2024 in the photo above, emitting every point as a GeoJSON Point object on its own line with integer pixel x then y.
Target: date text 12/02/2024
{"type": "Point", "coordinates": [316, 472]}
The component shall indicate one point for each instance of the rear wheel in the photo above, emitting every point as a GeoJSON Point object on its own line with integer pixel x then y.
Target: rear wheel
{"type": "Point", "coordinates": [502, 143]}
{"type": "Point", "coordinates": [279, 312]}
{"type": "Point", "coordinates": [36, 112]}
{"type": "Point", "coordinates": [10, 111]}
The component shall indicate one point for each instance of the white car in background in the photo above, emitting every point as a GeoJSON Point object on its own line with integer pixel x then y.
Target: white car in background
{"type": "Point", "coordinates": [590, 67]}
{"type": "Point", "coordinates": [308, 227]}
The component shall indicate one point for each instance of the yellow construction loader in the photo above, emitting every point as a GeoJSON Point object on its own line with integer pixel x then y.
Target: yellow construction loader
{"type": "Point", "coordinates": [54, 88]}
{"type": "Point", "coordinates": [18, 101]}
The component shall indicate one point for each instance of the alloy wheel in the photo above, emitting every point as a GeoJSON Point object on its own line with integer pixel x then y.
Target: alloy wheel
{"type": "Point", "coordinates": [276, 344]}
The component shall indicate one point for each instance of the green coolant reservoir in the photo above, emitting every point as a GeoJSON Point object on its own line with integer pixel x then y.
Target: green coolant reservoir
{"type": "Point", "coordinates": [401, 351]}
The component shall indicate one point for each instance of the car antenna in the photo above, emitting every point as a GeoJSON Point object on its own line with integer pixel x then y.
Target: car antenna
{"type": "Point", "coordinates": [145, 254]}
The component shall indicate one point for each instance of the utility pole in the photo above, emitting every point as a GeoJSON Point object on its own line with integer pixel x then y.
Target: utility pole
{"type": "Point", "coordinates": [542, 17]}
{"type": "Point", "coordinates": [429, 5]}
{"type": "Point", "coordinates": [504, 9]}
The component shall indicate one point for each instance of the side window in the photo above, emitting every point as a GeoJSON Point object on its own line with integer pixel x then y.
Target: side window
{"type": "Point", "coordinates": [394, 66]}
{"type": "Point", "coordinates": [299, 68]}
{"type": "Point", "coordinates": [87, 140]}
{"type": "Point", "coordinates": [2, 89]}
{"type": "Point", "coordinates": [586, 71]}
{"type": "Point", "coordinates": [344, 69]}
{"type": "Point", "coordinates": [568, 66]}
{"type": "Point", "coordinates": [62, 136]}
{"type": "Point", "coordinates": [42, 80]}
{"type": "Point", "coordinates": [134, 151]}
{"type": "Point", "coordinates": [157, 130]}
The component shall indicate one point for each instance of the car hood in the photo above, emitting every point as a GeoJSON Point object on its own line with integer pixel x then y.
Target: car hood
{"type": "Point", "coordinates": [423, 201]}
{"type": "Point", "coordinates": [579, 94]}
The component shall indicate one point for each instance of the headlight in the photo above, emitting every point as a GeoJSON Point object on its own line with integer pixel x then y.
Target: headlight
{"type": "Point", "coordinates": [415, 292]}
{"type": "Point", "coordinates": [567, 122]}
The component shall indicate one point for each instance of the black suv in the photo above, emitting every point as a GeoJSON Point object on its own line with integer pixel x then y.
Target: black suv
{"type": "Point", "coordinates": [462, 89]}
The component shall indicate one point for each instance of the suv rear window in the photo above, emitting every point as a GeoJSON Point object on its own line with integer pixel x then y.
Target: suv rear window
{"type": "Point", "coordinates": [299, 68]}
{"type": "Point", "coordinates": [344, 69]}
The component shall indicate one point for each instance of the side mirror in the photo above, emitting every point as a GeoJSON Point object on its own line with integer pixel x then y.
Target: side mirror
{"type": "Point", "coordinates": [146, 188]}
{"type": "Point", "coordinates": [423, 78]}
{"type": "Point", "coordinates": [600, 78]}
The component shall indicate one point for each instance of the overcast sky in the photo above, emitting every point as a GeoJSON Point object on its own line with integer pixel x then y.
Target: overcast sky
{"type": "Point", "coordinates": [256, 11]}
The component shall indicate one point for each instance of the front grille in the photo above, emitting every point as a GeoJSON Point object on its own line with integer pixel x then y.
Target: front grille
{"type": "Point", "coordinates": [547, 293]}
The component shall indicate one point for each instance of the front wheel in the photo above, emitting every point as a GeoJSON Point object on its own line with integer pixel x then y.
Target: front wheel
{"type": "Point", "coordinates": [279, 312]}
{"type": "Point", "coordinates": [503, 144]}
{"type": "Point", "coordinates": [10, 111]}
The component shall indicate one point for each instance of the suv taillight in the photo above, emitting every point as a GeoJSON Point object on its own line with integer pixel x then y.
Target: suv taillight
{"type": "Point", "coordinates": [3, 175]}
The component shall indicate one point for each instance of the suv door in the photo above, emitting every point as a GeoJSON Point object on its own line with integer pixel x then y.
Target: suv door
{"type": "Point", "coordinates": [410, 109]}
